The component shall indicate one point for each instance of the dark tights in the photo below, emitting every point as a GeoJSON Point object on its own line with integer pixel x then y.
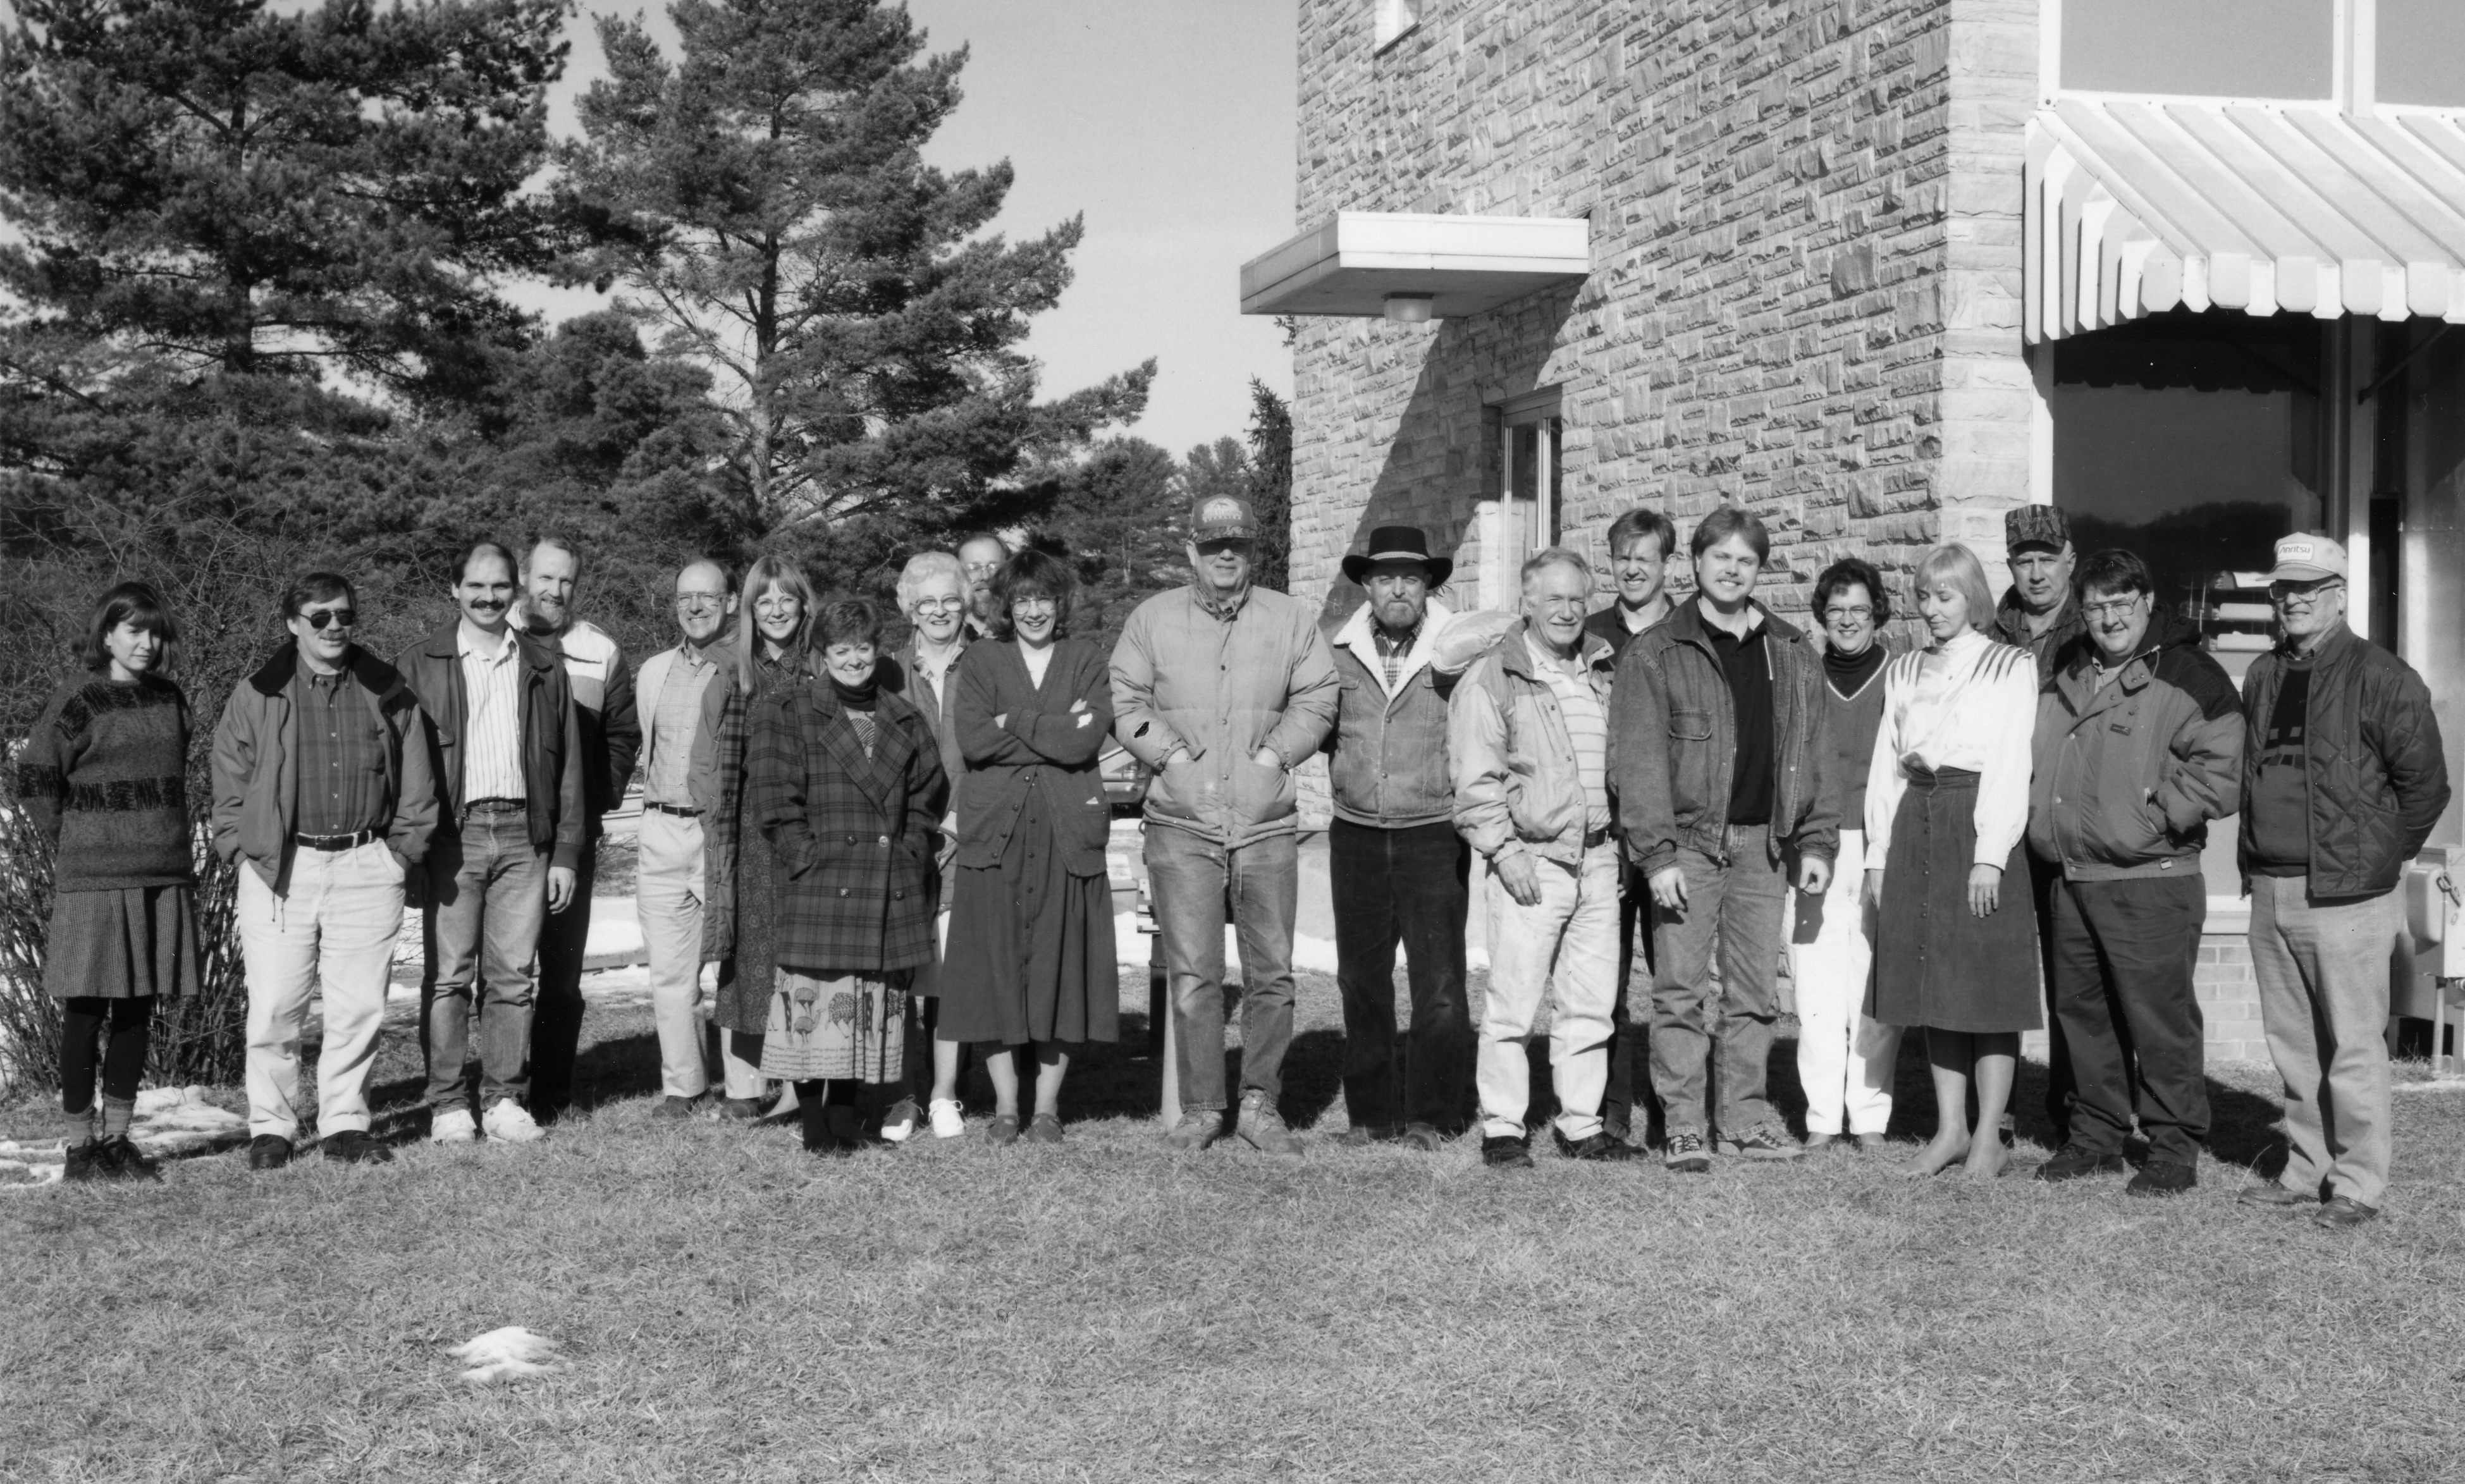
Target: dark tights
{"type": "Point", "coordinates": [111, 1032]}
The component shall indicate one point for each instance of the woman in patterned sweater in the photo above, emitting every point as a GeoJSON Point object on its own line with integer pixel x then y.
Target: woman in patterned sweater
{"type": "Point", "coordinates": [103, 777]}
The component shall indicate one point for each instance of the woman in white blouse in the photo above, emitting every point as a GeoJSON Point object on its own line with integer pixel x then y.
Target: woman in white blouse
{"type": "Point", "coordinates": [1956, 948]}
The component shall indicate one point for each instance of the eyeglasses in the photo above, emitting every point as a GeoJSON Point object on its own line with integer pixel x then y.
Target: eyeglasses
{"type": "Point", "coordinates": [2112, 607]}
{"type": "Point", "coordinates": [1847, 615]}
{"type": "Point", "coordinates": [691, 601]}
{"type": "Point", "coordinates": [2304, 594]}
{"type": "Point", "coordinates": [939, 605]}
{"type": "Point", "coordinates": [983, 568]}
{"type": "Point", "coordinates": [344, 616]}
{"type": "Point", "coordinates": [1035, 601]}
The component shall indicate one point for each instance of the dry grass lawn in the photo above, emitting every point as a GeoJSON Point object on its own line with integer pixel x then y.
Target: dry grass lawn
{"type": "Point", "coordinates": [732, 1309]}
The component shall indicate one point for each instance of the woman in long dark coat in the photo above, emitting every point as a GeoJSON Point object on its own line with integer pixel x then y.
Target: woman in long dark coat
{"type": "Point", "coordinates": [846, 783]}
{"type": "Point", "coordinates": [741, 871]}
{"type": "Point", "coordinates": [103, 778]}
{"type": "Point", "coordinates": [1031, 960]}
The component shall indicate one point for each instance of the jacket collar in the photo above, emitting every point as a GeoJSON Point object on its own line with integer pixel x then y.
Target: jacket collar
{"type": "Point", "coordinates": [1685, 623]}
{"type": "Point", "coordinates": [2331, 649]}
{"type": "Point", "coordinates": [446, 643]}
{"type": "Point", "coordinates": [1515, 652]}
{"type": "Point", "coordinates": [2076, 680]}
{"type": "Point", "coordinates": [1357, 636]}
{"type": "Point", "coordinates": [375, 676]}
{"type": "Point", "coordinates": [880, 776]}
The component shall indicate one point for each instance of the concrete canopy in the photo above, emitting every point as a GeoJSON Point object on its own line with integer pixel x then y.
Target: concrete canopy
{"type": "Point", "coordinates": [1466, 265]}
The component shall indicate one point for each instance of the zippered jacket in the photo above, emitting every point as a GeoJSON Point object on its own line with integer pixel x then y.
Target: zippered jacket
{"type": "Point", "coordinates": [1386, 758]}
{"type": "Point", "coordinates": [1673, 743]}
{"type": "Point", "coordinates": [551, 735]}
{"type": "Point", "coordinates": [1516, 775]}
{"type": "Point", "coordinates": [2127, 775]}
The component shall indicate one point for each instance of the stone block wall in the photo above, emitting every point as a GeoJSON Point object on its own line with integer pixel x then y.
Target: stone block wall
{"type": "Point", "coordinates": [2230, 999]}
{"type": "Point", "coordinates": [1806, 269]}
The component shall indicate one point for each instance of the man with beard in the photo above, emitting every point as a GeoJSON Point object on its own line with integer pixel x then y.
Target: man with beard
{"type": "Point", "coordinates": [506, 749]}
{"type": "Point", "coordinates": [980, 557]}
{"type": "Point", "coordinates": [603, 694]}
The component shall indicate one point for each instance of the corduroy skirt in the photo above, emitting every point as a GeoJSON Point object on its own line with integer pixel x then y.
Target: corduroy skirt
{"type": "Point", "coordinates": [1937, 963]}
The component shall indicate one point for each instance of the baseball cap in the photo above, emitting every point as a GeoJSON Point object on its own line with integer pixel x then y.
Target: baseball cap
{"type": "Point", "coordinates": [2305, 558]}
{"type": "Point", "coordinates": [2035, 526]}
{"type": "Point", "coordinates": [1222, 517]}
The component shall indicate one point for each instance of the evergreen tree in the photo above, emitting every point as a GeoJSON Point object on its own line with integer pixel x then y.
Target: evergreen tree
{"type": "Point", "coordinates": [765, 195]}
{"type": "Point", "coordinates": [1271, 484]}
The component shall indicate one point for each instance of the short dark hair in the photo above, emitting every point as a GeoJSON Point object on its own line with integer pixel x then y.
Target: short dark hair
{"type": "Point", "coordinates": [1726, 522]}
{"type": "Point", "coordinates": [316, 588]}
{"type": "Point", "coordinates": [480, 548]}
{"type": "Point", "coordinates": [1641, 521]}
{"type": "Point", "coordinates": [848, 621]}
{"type": "Point", "coordinates": [139, 606]}
{"type": "Point", "coordinates": [1035, 574]}
{"type": "Point", "coordinates": [1853, 572]}
{"type": "Point", "coordinates": [2113, 570]}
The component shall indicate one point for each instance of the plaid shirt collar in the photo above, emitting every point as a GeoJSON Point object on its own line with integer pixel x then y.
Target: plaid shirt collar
{"type": "Point", "coordinates": [1226, 609]}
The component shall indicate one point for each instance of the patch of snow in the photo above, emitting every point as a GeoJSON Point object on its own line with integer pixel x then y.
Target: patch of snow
{"type": "Point", "coordinates": [512, 1353]}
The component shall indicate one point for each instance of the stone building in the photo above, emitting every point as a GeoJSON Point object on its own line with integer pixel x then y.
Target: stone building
{"type": "Point", "coordinates": [1880, 270]}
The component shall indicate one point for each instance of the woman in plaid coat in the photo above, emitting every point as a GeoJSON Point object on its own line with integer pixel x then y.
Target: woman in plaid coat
{"type": "Point", "coordinates": [846, 783]}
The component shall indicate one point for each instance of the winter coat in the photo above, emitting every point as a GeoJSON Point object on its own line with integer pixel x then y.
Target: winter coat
{"type": "Point", "coordinates": [552, 739]}
{"type": "Point", "coordinates": [1040, 743]}
{"type": "Point", "coordinates": [2127, 775]}
{"type": "Point", "coordinates": [256, 764]}
{"type": "Point", "coordinates": [603, 700]}
{"type": "Point", "coordinates": [2377, 770]}
{"type": "Point", "coordinates": [1387, 755]}
{"type": "Point", "coordinates": [855, 831]}
{"type": "Point", "coordinates": [1674, 744]}
{"type": "Point", "coordinates": [1516, 774]}
{"type": "Point", "coordinates": [1222, 687]}
{"type": "Point", "coordinates": [2012, 626]}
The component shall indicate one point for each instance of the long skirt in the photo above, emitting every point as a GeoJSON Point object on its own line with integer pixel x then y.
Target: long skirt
{"type": "Point", "coordinates": [123, 945]}
{"type": "Point", "coordinates": [741, 1005]}
{"type": "Point", "coordinates": [1937, 963]}
{"type": "Point", "coordinates": [835, 1025]}
{"type": "Point", "coordinates": [1031, 952]}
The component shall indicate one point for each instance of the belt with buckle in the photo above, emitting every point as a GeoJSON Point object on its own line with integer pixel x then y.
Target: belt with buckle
{"type": "Point", "coordinates": [494, 807]}
{"type": "Point", "coordinates": [335, 842]}
{"type": "Point", "coordinates": [678, 809]}
{"type": "Point", "coordinates": [1593, 839]}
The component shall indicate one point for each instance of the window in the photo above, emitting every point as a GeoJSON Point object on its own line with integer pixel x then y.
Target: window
{"type": "Point", "coordinates": [1393, 21]}
{"type": "Point", "coordinates": [2206, 48]}
{"type": "Point", "coordinates": [1528, 501]}
{"type": "Point", "coordinates": [2421, 52]}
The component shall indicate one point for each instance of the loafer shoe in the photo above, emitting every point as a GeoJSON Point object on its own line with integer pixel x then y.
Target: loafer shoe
{"type": "Point", "coordinates": [509, 1122]}
{"type": "Point", "coordinates": [1195, 1131]}
{"type": "Point", "coordinates": [668, 1109]}
{"type": "Point", "coordinates": [1001, 1130]}
{"type": "Point", "coordinates": [1501, 1151]}
{"type": "Point", "coordinates": [2344, 1213]}
{"type": "Point", "coordinates": [1596, 1146]}
{"type": "Point", "coordinates": [2274, 1196]}
{"type": "Point", "coordinates": [453, 1126]}
{"type": "Point", "coordinates": [273, 1151]}
{"type": "Point", "coordinates": [899, 1125]}
{"type": "Point", "coordinates": [740, 1110]}
{"type": "Point", "coordinates": [119, 1159]}
{"type": "Point", "coordinates": [2162, 1178]}
{"type": "Point", "coordinates": [1045, 1128]}
{"type": "Point", "coordinates": [2072, 1162]}
{"type": "Point", "coordinates": [353, 1146]}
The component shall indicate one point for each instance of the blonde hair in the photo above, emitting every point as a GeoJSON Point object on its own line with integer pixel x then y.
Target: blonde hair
{"type": "Point", "coordinates": [767, 573]}
{"type": "Point", "coordinates": [1967, 573]}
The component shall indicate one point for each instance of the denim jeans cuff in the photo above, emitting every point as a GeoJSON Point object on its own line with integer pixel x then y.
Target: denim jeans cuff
{"type": "Point", "coordinates": [1188, 1108]}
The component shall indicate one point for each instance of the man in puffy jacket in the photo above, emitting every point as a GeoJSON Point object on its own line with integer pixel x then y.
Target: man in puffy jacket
{"type": "Point", "coordinates": [1224, 688]}
{"type": "Point", "coordinates": [2139, 745]}
{"type": "Point", "coordinates": [2344, 777]}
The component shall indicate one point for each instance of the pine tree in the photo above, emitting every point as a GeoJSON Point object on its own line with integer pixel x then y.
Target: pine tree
{"type": "Point", "coordinates": [1271, 484]}
{"type": "Point", "coordinates": [765, 196]}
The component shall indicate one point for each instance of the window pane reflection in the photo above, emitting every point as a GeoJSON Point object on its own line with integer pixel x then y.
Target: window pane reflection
{"type": "Point", "coordinates": [2203, 48]}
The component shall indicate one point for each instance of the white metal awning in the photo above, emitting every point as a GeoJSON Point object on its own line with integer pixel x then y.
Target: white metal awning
{"type": "Point", "coordinates": [1466, 265]}
{"type": "Point", "coordinates": [2135, 205]}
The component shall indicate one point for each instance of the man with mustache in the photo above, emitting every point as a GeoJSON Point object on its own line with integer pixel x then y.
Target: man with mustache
{"type": "Point", "coordinates": [507, 750]}
{"type": "Point", "coordinates": [980, 557]}
{"type": "Point", "coordinates": [602, 693]}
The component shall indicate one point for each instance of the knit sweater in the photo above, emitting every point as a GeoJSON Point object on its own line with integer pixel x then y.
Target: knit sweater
{"type": "Point", "coordinates": [104, 776]}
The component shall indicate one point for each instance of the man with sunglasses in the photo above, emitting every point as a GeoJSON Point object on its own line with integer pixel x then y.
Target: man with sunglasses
{"type": "Point", "coordinates": [323, 794]}
{"type": "Point", "coordinates": [2344, 776]}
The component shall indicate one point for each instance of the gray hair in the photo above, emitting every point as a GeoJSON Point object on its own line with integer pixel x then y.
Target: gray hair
{"type": "Point", "coordinates": [1554, 556]}
{"type": "Point", "coordinates": [927, 565]}
{"type": "Point", "coordinates": [1967, 574]}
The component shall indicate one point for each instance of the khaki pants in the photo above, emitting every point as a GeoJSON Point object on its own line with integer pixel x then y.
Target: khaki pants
{"type": "Point", "coordinates": [332, 934]}
{"type": "Point", "coordinates": [2324, 998]}
{"type": "Point", "coordinates": [668, 897]}
{"type": "Point", "coordinates": [1565, 942]}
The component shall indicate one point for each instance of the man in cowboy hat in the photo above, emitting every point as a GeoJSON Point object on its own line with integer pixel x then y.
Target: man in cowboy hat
{"type": "Point", "coordinates": [1398, 868]}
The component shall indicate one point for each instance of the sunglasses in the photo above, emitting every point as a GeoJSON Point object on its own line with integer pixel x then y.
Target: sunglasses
{"type": "Point", "coordinates": [332, 615]}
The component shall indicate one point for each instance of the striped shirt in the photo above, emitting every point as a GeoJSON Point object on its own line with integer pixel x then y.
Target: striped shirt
{"type": "Point", "coordinates": [1588, 728]}
{"type": "Point", "coordinates": [492, 725]}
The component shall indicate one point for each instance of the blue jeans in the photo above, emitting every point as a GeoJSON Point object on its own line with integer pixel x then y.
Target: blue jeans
{"type": "Point", "coordinates": [487, 899]}
{"type": "Point", "coordinates": [1192, 881]}
{"type": "Point", "coordinates": [1735, 906]}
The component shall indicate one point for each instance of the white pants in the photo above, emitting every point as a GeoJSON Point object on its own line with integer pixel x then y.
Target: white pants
{"type": "Point", "coordinates": [331, 935]}
{"type": "Point", "coordinates": [668, 884]}
{"type": "Point", "coordinates": [1568, 942]}
{"type": "Point", "coordinates": [1844, 1058]}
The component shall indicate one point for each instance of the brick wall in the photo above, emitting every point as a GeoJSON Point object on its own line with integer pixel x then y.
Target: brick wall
{"type": "Point", "coordinates": [2230, 999]}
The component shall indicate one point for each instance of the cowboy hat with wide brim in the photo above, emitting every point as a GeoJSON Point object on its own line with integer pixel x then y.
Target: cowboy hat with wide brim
{"type": "Point", "coordinates": [1397, 544]}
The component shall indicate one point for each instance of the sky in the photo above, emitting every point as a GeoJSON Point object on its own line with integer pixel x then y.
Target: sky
{"type": "Point", "coordinates": [1169, 124]}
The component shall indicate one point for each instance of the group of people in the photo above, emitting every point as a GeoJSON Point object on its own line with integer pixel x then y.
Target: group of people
{"type": "Point", "coordinates": [857, 864]}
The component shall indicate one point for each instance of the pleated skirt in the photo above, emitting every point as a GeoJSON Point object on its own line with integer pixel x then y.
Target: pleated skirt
{"type": "Point", "coordinates": [123, 945]}
{"type": "Point", "coordinates": [1937, 963]}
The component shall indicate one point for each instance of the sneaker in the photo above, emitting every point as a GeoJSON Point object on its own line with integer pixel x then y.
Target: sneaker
{"type": "Point", "coordinates": [2344, 1213]}
{"type": "Point", "coordinates": [949, 1120]}
{"type": "Point", "coordinates": [1001, 1130]}
{"type": "Point", "coordinates": [2074, 1163]}
{"type": "Point", "coordinates": [84, 1160]}
{"type": "Point", "coordinates": [507, 1122]}
{"type": "Point", "coordinates": [119, 1159]}
{"type": "Point", "coordinates": [1045, 1128]}
{"type": "Point", "coordinates": [899, 1125]}
{"type": "Point", "coordinates": [453, 1126]}
{"type": "Point", "coordinates": [1684, 1153]}
{"type": "Point", "coordinates": [1762, 1145]}
{"type": "Point", "coordinates": [271, 1151]}
{"type": "Point", "coordinates": [1196, 1130]}
{"type": "Point", "coordinates": [353, 1146]}
{"type": "Point", "coordinates": [1502, 1151]}
{"type": "Point", "coordinates": [1262, 1128]}
{"type": "Point", "coordinates": [1597, 1147]}
{"type": "Point", "coordinates": [2269, 1193]}
{"type": "Point", "coordinates": [2163, 1177]}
